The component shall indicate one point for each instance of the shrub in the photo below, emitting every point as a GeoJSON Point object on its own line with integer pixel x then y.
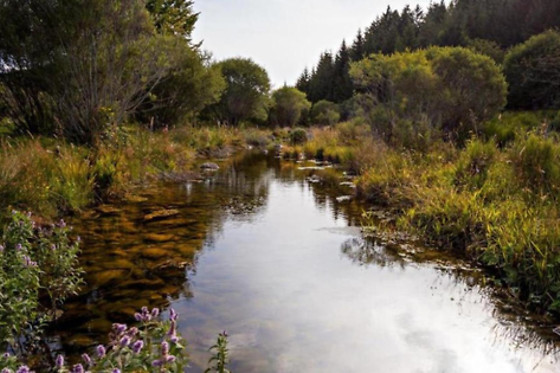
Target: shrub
{"type": "Point", "coordinates": [289, 104]}
{"type": "Point", "coordinates": [38, 270]}
{"type": "Point", "coordinates": [298, 136]}
{"type": "Point", "coordinates": [533, 72]}
{"type": "Point", "coordinates": [325, 113]}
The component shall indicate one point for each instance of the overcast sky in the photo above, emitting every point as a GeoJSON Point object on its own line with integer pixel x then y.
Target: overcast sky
{"type": "Point", "coordinates": [284, 36]}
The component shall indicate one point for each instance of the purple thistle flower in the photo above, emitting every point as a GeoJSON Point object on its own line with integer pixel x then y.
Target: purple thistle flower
{"type": "Point", "coordinates": [6, 370]}
{"type": "Point", "coordinates": [155, 312]}
{"type": "Point", "coordinates": [78, 368]}
{"type": "Point", "coordinates": [125, 341]}
{"type": "Point", "coordinates": [28, 262]}
{"type": "Point", "coordinates": [145, 310]}
{"type": "Point", "coordinates": [137, 346]}
{"type": "Point", "coordinates": [60, 361]}
{"type": "Point", "coordinates": [164, 348]}
{"type": "Point", "coordinates": [87, 359]}
{"type": "Point", "coordinates": [23, 369]}
{"type": "Point", "coordinates": [116, 370]}
{"type": "Point", "coordinates": [224, 333]}
{"type": "Point", "coordinates": [174, 339]}
{"type": "Point", "coordinates": [172, 328]}
{"type": "Point", "coordinates": [170, 359]}
{"type": "Point", "coordinates": [62, 223]}
{"type": "Point", "coordinates": [138, 317]}
{"type": "Point", "coordinates": [101, 351]}
{"type": "Point", "coordinates": [157, 363]}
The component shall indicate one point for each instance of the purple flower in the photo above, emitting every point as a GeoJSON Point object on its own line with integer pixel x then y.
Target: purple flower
{"type": "Point", "coordinates": [53, 247]}
{"type": "Point", "coordinates": [78, 368]}
{"type": "Point", "coordinates": [224, 333]}
{"type": "Point", "coordinates": [19, 247]}
{"type": "Point", "coordinates": [23, 369]}
{"type": "Point", "coordinates": [101, 351]}
{"type": "Point", "coordinates": [6, 355]}
{"type": "Point", "coordinates": [174, 339]}
{"type": "Point", "coordinates": [87, 359]}
{"type": "Point", "coordinates": [138, 316]}
{"type": "Point", "coordinates": [119, 328]}
{"type": "Point", "coordinates": [125, 341]}
{"type": "Point", "coordinates": [145, 310]}
{"type": "Point", "coordinates": [1, 249]}
{"type": "Point", "coordinates": [155, 312]}
{"type": "Point", "coordinates": [157, 363]}
{"type": "Point", "coordinates": [172, 328]}
{"type": "Point", "coordinates": [62, 223]}
{"type": "Point", "coordinates": [137, 346]}
{"type": "Point", "coordinates": [116, 370]}
{"type": "Point", "coordinates": [133, 331]}
{"type": "Point", "coordinates": [164, 348]}
{"type": "Point", "coordinates": [6, 370]}
{"type": "Point", "coordinates": [78, 239]}
{"type": "Point", "coordinates": [172, 314]}
{"type": "Point", "coordinates": [60, 361]}
{"type": "Point", "coordinates": [170, 359]}
{"type": "Point", "coordinates": [28, 262]}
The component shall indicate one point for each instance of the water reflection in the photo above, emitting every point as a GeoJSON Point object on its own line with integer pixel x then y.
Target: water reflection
{"type": "Point", "coordinates": [264, 250]}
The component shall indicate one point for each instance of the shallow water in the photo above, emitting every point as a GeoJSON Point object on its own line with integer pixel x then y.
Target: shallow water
{"type": "Point", "coordinates": [272, 256]}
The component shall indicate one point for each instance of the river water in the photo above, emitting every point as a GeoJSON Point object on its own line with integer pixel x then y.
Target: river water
{"type": "Point", "coordinates": [264, 251]}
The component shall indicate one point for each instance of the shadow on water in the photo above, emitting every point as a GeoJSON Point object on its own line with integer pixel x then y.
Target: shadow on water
{"type": "Point", "coordinates": [199, 246]}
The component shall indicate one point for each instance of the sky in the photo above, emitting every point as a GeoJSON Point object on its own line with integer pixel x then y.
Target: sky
{"type": "Point", "coordinates": [284, 36]}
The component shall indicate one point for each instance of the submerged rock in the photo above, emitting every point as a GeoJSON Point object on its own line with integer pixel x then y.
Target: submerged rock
{"type": "Point", "coordinates": [209, 166]}
{"type": "Point", "coordinates": [161, 214]}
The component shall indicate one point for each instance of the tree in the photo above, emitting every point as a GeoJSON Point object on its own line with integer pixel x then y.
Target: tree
{"type": "Point", "coordinates": [342, 84]}
{"type": "Point", "coordinates": [532, 70]}
{"type": "Point", "coordinates": [76, 67]}
{"type": "Point", "coordinates": [451, 88]}
{"type": "Point", "coordinates": [246, 94]}
{"type": "Point", "coordinates": [325, 113]}
{"type": "Point", "coordinates": [288, 106]}
{"type": "Point", "coordinates": [173, 16]}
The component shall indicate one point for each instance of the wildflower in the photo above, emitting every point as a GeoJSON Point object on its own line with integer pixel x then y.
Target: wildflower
{"type": "Point", "coordinates": [174, 339]}
{"type": "Point", "coordinates": [133, 331]}
{"type": "Point", "coordinates": [101, 351]}
{"type": "Point", "coordinates": [138, 317]}
{"type": "Point", "coordinates": [137, 346]}
{"type": "Point", "coordinates": [172, 314]}
{"type": "Point", "coordinates": [62, 223]}
{"type": "Point", "coordinates": [125, 341]}
{"type": "Point", "coordinates": [87, 359]}
{"type": "Point", "coordinates": [28, 262]}
{"type": "Point", "coordinates": [170, 359]}
{"type": "Point", "coordinates": [119, 328]}
{"type": "Point", "coordinates": [23, 369]}
{"type": "Point", "coordinates": [60, 361]}
{"type": "Point", "coordinates": [6, 355]}
{"type": "Point", "coordinates": [78, 368]}
{"type": "Point", "coordinates": [224, 333]}
{"type": "Point", "coordinates": [172, 328]}
{"type": "Point", "coordinates": [19, 247]}
{"type": "Point", "coordinates": [116, 370]}
{"type": "Point", "coordinates": [53, 247]}
{"type": "Point", "coordinates": [157, 363]}
{"type": "Point", "coordinates": [155, 312]}
{"type": "Point", "coordinates": [1, 249]}
{"type": "Point", "coordinates": [164, 348]}
{"type": "Point", "coordinates": [6, 370]}
{"type": "Point", "coordinates": [78, 239]}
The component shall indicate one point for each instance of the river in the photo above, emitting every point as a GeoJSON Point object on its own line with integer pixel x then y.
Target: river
{"type": "Point", "coordinates": [264, 251]}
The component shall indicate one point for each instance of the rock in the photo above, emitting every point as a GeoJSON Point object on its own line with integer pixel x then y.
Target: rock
{"type": "Point", "coordinates": [209, 166]}
{"type": "Point", "coordinates": [343, 198]}
{"type": "Point", "coordinates": [348, 184]}
{"type": "Point", "coordinates": [161, 214]}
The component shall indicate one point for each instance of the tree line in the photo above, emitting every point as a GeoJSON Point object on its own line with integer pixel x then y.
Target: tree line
{"type": "Point", "coordinates": [490, 27]}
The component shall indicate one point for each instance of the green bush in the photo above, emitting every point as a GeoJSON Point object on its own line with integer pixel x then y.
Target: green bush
{"type": "Point", "coordinates": [325, 113]}
{"type": "Point", "coordinates": [298, 136]}
{"type": "Point", "coordinates": [533, 73]}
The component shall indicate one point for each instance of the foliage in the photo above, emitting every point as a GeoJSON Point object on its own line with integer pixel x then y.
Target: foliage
{"type": "Point", "coordinates": [220, 358]}
{"type": "Point", "coordinates": [451, 89]}
{"type": "Point", "coordinates": [175, 17]}
{"type": "Point", "coordinates": [533, 72]}
{"type": "Point", "coordinates": [38, 270]}
{"type": "Point", "coordinates": [155, 345]}
{"type": "Point", "coordinates": [325, 113]}
{"type": "Point", "coordinates": [288, 106]}
{"type": "Point", "coordinates": [246, 93]}
{"type": "Point", "coordinates": [298, 136]}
